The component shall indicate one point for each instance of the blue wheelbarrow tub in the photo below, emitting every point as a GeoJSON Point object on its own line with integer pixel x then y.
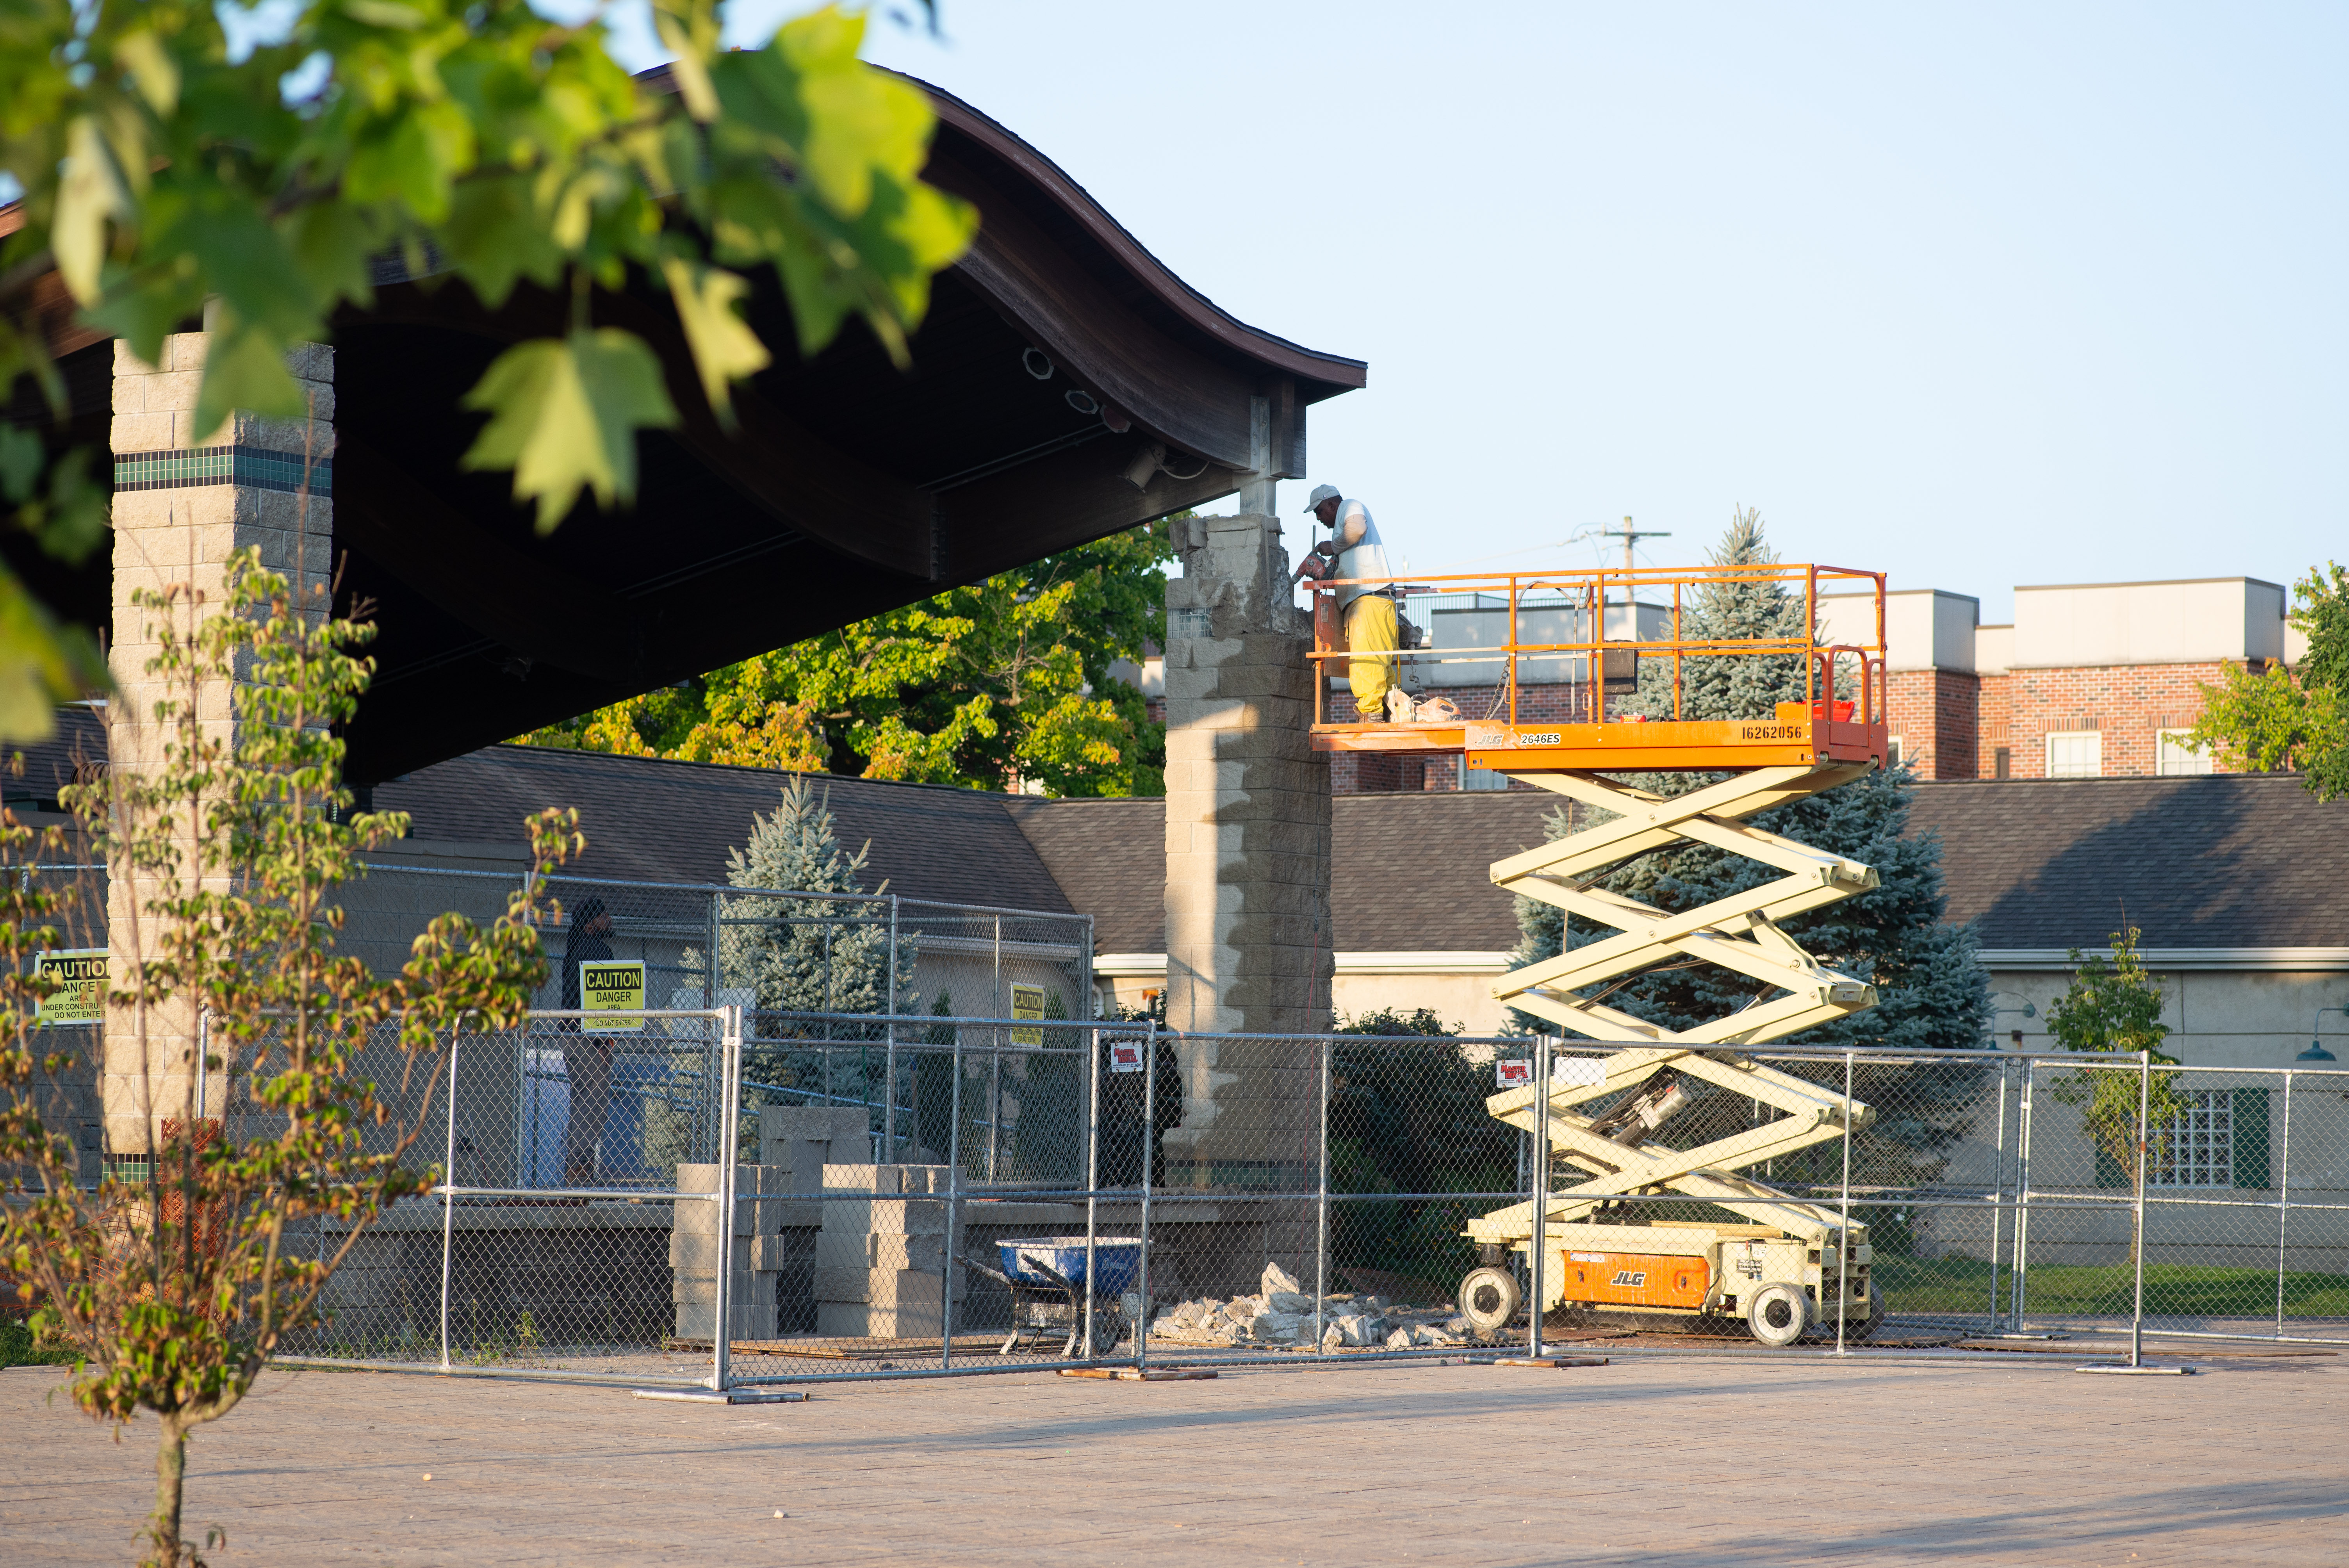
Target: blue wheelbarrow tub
{"type": "Point", "coordinates": [1117, 1259]}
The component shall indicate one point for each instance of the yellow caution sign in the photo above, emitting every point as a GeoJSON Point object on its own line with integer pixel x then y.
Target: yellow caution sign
{"type": "Point", "coordinates": [612, 985]}
{"type": "Point", "coordinates": [81, 975]}
{"type": "Point", "coordinates": [1027, 1002]}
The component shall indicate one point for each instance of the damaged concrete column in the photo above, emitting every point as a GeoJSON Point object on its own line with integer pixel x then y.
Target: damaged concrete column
{"type": "Point", "coordinates": [185, 500]}
{"type": "Point", "coordinates": [1248, 857]}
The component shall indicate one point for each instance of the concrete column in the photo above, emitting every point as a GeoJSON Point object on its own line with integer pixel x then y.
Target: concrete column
{"type": "Point", "coordinates": [1247, 858]}
{"type": "Point", "coordinates": [184, 502]}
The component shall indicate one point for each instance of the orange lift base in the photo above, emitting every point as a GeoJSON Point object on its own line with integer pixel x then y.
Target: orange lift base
{"type": "Point", "coordinates": [1796, 735]}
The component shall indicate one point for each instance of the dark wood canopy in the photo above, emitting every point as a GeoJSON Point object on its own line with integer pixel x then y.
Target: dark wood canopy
{"type": "Point", "coordinates": [1054, 357]}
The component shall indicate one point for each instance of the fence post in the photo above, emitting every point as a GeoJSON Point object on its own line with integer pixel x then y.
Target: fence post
{"type": "Point", "coordinates": [2284, 1197]}
{"type": "Point", "coordinates": [995, 1057]}
{"type": "Point", "coordinates": [2137, 1222]}
{"type": "Point", "coordinates": [1149, 1159]}
{"type": "Point", "coordinates": [729, 1136]}
{"type": "Point", "coordinates": [1092, 1169]}
{"type": "Point", "coordinates": [709, 985]}
{"type": "Point", "coordinates": [889, 1054]}
{"type": "Point", "coordinates": [953, 1208]}
{"type": "Point", "coordinates": [447, 1199]}
{"type": "Point", "coordinates": [1843, 1233]}
{"type": "Point", "coordinates": [1321, 1208]}
{"type": "Point", "coordinates": [1541, 1194]}
{"type": "Point", "coordinates": [1997, 1193]}
{"type": "Point", "coordinates": [2020, 1272]}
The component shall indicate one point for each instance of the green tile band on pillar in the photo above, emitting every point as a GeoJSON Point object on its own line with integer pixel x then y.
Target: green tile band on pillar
{"type": "Point", "coordinates": [253, 466]}
{"type": "Point", "coordinates": [185, 500]}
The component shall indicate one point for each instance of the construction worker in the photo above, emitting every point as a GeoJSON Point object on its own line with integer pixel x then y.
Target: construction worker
{"type": "Point", "coordinates": [1368, 612]}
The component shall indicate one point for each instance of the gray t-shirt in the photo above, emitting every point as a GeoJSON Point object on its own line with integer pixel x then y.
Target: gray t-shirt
{"type": "Point", "coordinates": [1366, 558]}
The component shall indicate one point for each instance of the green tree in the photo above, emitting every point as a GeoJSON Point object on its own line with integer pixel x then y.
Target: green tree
{"type": "Point", "coordinates": [177, 1279]}
{"type": "Point", "coordinates": [995, 685]}
{"type": "Point", "coordinates": [164, 178]}
{"type": "Point", "coordinates": [1407, 1118]}
{"type": "Point", "coordinates": [2296, 719]}
{"type": "Point", "coordinates": [2115, 1008]}
{"type": "Point", "coordinates": [811, 955]}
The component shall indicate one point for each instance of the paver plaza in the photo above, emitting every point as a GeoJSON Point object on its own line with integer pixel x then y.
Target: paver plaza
{"type": "Point", "coordinates": [1744, 1462]}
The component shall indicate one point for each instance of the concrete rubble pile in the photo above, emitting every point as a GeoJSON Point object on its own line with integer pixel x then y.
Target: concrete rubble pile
{"type": "Point", "coordinates": [1281, 1314]}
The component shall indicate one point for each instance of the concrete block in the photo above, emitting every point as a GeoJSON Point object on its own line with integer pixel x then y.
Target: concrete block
{"type": "Point", "coordinates": [885, 1216]}
{"type": "Point", "coordinates": [881, 1179]}
{"type": "Point", "coordinates": [885, 1287]}
{"type": "Point", "coordinates": [693, 1320]}
{"type": "Point", "coordinates": [749, 1289]}
{"type": "Point", "coordinates": [842, 1250]}
{"type": "Point", "coordinates": [850, 1320]}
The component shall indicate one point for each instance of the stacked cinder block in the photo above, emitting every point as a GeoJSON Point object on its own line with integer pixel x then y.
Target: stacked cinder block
{"type": "Point", "coordinates": [803, 1139]}
{"type": "Point", "coordinates": [883, 1258]}
{"type": "Point", "coordinates": [760, 1192]}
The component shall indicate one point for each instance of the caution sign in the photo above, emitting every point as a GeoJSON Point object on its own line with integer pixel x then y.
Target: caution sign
{"type": "Point", "coordinates": [80, 976]}
{"type": "Point", "coordinates": [612, 985]}
{"type": "Point", "coordinates": [1027, 1002]}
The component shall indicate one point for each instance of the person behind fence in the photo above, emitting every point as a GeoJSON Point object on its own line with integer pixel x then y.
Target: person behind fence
{"type": "Point", "coordinates": [586, 1059]}
{"type": "Point", "coordinates": [1370, 622]}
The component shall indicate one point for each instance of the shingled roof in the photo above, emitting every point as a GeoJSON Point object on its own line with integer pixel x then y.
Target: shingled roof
{"type": "Point", "coordinates": [2225, 862]}
{"type": "Point", "coordinates": [653, 821]}
{"type": "Point", "coordinates": [2221, 860]}
{"type": "Point", "coordinates": [1407, 872]}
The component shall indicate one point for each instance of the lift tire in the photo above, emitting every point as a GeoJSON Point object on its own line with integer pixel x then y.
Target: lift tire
{"type": "Point", "coordinates": [1875, 1319]}
{"type": "Point", "coordinates": [1489, 1298]}
{"type": "Point", "coordinates": [1778, 1315]}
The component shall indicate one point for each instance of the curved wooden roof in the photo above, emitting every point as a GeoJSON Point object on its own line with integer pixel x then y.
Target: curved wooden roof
{"type": "Point", "coordinates": [1053, 354]}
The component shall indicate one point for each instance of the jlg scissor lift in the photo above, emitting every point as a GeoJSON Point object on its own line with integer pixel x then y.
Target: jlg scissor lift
{"type": "Point", "coordinates": [1794, 1266]}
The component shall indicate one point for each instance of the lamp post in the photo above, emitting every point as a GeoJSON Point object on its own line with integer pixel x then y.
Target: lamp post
{"type": "Point", "coordinates": [2316, 1051]}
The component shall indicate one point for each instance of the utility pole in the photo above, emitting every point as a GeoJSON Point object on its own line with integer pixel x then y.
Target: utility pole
{"type": "Point", "coordinates": [1631, 536]}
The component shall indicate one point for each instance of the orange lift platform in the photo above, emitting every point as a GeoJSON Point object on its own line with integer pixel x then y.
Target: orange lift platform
{"type": "Point", "coordinates": [1601, 652]}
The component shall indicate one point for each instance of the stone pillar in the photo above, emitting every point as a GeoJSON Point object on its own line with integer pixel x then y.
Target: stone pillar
{"type": "Point", "coordinates": [1247, 858]}
{"type": "Point", "coordinates": [184, 500]}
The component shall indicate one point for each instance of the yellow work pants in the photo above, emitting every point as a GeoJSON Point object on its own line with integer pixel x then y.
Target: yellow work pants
{"type": "Point", "coordinates": [1370, 629]}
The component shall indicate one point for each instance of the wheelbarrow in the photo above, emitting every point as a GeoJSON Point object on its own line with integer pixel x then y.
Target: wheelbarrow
{"type": "Point", "coordinates": [1046, 1277]}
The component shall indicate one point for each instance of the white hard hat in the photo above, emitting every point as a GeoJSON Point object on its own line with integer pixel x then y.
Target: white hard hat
{"type": "Point", "coordinates": [1321, 493]}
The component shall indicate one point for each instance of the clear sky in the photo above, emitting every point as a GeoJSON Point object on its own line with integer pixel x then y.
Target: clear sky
{"type": "Point", "coordinates": [1980, 294]}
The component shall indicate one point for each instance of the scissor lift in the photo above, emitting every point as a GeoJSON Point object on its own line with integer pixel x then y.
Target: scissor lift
{"type": "Point", "coordinates": [1793, 1267]}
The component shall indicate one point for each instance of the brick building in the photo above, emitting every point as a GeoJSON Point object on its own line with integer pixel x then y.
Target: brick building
{"type": "Point", "coordinates": [2090, 680]}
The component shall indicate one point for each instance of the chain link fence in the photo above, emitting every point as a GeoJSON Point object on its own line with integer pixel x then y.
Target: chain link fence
{"type": "Point", "coordinates": [936, 1160]}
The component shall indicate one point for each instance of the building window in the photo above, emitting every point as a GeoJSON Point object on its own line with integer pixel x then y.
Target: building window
{"type": "Point", "coordinates": [1483, 778]}
{"type": "Point", "coordinates": [2002, 763]}
{"type": "Point", "coordinates": [2173, 757]}
{"type": "Point", "coordinates": [1891, 760]}
{"type": "Point", "coordinates": [2076, 754]}
{"type": "Point", "coordinates": [2198, 1149]}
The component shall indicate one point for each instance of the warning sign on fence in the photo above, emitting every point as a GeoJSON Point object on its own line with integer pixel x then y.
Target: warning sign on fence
{"type": "Point", "coordinates": [611, 984]}
{"type": "Point", "coordinates": [81, 975]}
{"type": "Point", "coordinates": [1027, 1002]}
{"type": "Point", "coordinates": [1125, 1055]}
{"type": "Point", "coordinates": [1513, 1075]}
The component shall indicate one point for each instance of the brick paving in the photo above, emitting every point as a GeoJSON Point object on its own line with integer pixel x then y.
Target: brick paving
{"type": "Point", "coordinates": [1732, 1463]}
